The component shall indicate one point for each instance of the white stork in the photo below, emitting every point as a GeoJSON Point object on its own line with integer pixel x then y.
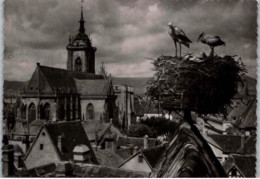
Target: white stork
{"type": "Point", "coordinates": [211, 40]}
{"type": "Point", "coordinates": [179, 36]}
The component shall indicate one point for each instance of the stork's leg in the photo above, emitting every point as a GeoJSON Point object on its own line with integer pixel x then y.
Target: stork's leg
{"type": "Point", "coordinates": [175, 48]}
{"type": "Point", "coordinates": [180, 50]}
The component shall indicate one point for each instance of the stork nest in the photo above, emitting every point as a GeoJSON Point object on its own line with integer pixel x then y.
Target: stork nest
{"type": "Point", "coordinates": [205, 85]}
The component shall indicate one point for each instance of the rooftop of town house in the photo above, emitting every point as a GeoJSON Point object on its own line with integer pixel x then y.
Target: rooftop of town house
{"type": "Point", "coordinates": [151, 155]}
{"type": "Point", "coordinates": [135, 141]}
{"type": "Point", "coordinates": [188, 155]}
{"type": "Point", "coordinates": [93, 126]}
{"type": "Point", "coordinates": [73, 134]}
{"type": "Point", "coordinates": [245, 164]}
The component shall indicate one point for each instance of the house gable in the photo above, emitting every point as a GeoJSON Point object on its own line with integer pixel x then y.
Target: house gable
{"type": "Point", "coordinates": [133, 163]}
{"type": "Point", "coordinates": [234, 172]}
{"type": "Point", "coordinates": [38, 82]}
{"type": "Point", "coordinates": [42, 152]}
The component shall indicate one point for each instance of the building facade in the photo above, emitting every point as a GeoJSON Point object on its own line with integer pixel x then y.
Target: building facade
{"type": "Point", "coordinates": [75, 93]}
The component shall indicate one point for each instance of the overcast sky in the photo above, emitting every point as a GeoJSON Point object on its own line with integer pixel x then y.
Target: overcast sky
{"type": "Point", "coordinates": [125, 32]}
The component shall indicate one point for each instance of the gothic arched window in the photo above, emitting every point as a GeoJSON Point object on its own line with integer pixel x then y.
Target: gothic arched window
{"type": "Point", "coordinates": [23, 111]}
{"type": "Point", "coordinates": [90, 111]}
{"type": "Point", "coordinates": [32, 113]}
{"type": "Point", "coordinates": [78, 64]}
{"type": "Point", "coordinates": [46, 111]}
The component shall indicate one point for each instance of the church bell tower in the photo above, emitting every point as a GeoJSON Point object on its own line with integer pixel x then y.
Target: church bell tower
{"type": "Point", "coordinates": [81, 54]}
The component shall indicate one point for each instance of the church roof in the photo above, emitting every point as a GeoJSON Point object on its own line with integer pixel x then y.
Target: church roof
{"type": "Point", "coordinates": [81, 36]}
{"type": "Point", "coordinates": [92, 87]}
{"type": "Point", "coordinates": [61, 80]}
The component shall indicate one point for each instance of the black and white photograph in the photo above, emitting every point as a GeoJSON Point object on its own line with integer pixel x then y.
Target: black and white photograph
{"type": "Point", "coordinates": [129, 88]}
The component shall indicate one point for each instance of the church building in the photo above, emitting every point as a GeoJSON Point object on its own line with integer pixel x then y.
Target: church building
{"type": "Point", "coordinates": [75, 93]}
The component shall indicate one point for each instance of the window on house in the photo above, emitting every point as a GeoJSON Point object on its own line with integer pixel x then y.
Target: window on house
{"type": "Point", "coordinates": [41, 146]}
{"type": "Point", "coordinates": [90, 111]}
{"type": "Point", "coordinates": [233, 173]}
{"type": "Point", "coordinates": [43, 133]}
{"type": "Point", "coordinates": [140, 158]}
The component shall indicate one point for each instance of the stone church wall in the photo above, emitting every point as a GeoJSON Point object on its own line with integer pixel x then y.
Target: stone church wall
{"type": "Point", "coordinates": [98, 105]}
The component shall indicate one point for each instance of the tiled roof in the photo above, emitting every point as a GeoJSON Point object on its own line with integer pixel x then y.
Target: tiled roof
{"type": "Point", "coordinates": [38, 122]}
{"type": "Point", "coordinates": [93, 126]}
{"type": "Point", "coordinates": [250, 146]}
{"type": "Point", "coordinates": [246, 164]}
{"type": "Point", "coordinates": [88, 170]}
{"type": "Point", "coordinates": [135, 141]}
{"type": "Point", "coordinates": [73, 134]}
{"type": "Point", "coordinates": [228, 143]}
{"type": "Point", "coordinates": [153, 154]}
{"type": "Point", "coordinates": [108, 158]}
{"type": "Point", "coordinates": [188, 155]}
{"type": "Point", "coordinates": [248, 118]}
{"type": "Point", "coordinates": [37, 172]}
{"type": "Point", "coordinates": [92, 87]}
{"type": "Point", "coordinates": [34, 128]}
{"type": "Point", "coordinates": [62, 79]}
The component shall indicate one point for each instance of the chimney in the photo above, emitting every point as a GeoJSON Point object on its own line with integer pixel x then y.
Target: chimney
{"type": "Point", "coordinates": [60, 138]}
{"type": "Point", "coordinates": [145, 141]}
{"type": "Point", "coordinates": [81, 154]}
{"type": "Point", "coordinates": [18, 159]}
{"type": "Point", "coordinates": [242, 143]}
{"type": "Point", "coordinates": [8, 160]}
{"type": "Point", "coordinates": [135, 150]}
{"type": "Point", "coordinates": [114, 142]}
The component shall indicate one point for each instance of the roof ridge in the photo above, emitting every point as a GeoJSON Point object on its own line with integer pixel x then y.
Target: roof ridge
{"type": "Point", "coordinates": [153, 147]}
{"type": "Point", "coordinates": [42, 66]}
{"type": "Point", "coordinates": [136, 137]}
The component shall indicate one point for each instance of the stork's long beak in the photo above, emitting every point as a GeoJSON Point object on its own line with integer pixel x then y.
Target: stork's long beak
{"type": "Point", "coordinates": [200, 36]}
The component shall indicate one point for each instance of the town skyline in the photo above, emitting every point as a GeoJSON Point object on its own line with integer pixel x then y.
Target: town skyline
{"type": "Point", "coordinates": [125, 33]}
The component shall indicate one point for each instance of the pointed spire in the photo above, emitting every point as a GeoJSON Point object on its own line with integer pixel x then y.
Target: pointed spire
{"type": "Point", "coordinates": [81, 27]}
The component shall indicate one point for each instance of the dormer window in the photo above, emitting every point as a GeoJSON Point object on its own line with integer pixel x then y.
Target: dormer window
{"type": "Point", "coordinates": [140, 158]}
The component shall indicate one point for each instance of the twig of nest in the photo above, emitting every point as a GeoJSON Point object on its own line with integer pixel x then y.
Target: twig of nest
{"type": "Point", "coordinates": [205, 86]}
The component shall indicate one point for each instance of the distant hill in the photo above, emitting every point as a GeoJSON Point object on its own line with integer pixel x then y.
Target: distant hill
{"type": "Point", "coordinates": [139, 83]}
{"type": "Point", "coordinates": [251, 83]}
{"type": "Point", "coordinates": [12, 88]}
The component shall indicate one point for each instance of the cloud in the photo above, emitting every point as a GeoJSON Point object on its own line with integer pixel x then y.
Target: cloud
{"type": "Point", "coordinates": [125, 33]}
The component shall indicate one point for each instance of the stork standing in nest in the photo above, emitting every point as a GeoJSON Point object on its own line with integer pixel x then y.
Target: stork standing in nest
{"type": "Point", "coordinates": [179, 36]}
{"type": "Point", "coordinates": [211, 41]}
